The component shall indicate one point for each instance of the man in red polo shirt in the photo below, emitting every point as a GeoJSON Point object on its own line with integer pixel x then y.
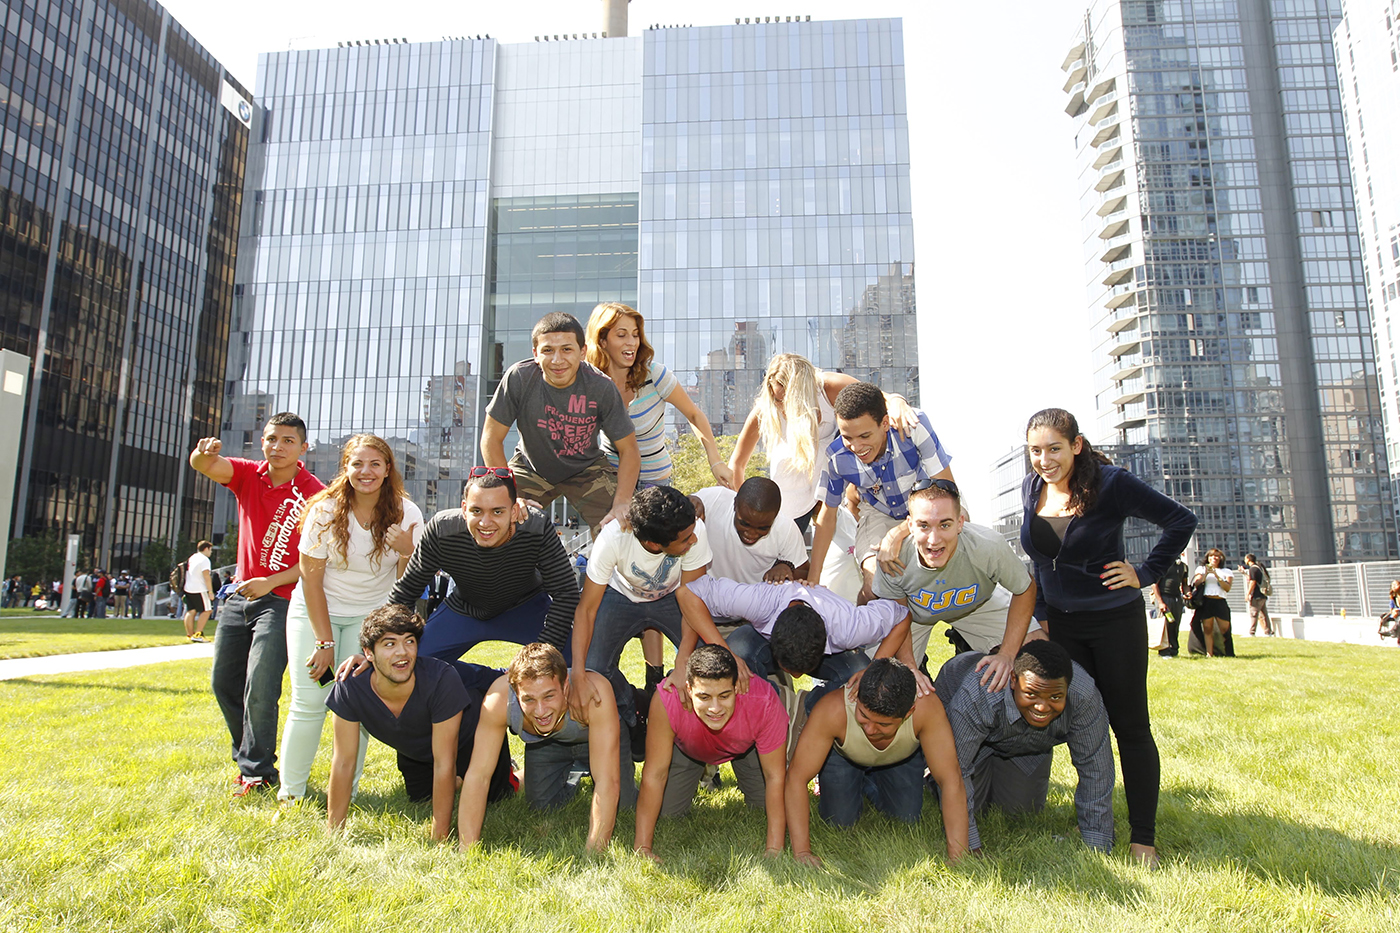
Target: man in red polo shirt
{"type": "Point", "coordinates": [250, 644]}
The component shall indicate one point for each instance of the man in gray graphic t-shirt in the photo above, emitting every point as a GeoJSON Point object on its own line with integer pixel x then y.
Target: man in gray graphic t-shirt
{"type": "Point", "coordinates": [559, 403]}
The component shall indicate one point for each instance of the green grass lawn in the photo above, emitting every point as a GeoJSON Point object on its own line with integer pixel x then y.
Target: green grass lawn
{"type": "Point", "coordinates": [1278, 813]}
{"type": "Point", "coordinates": [25, 633]}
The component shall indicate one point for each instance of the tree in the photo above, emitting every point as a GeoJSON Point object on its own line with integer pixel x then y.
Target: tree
{"type": "Point", "coordinates": [690, 467]}
{"type": "Point", "coordinates": [228, 548]}
{"type": "Point", "coordinates": [156, 560]}
{"type": "Point", "coordinates": [38, 558]}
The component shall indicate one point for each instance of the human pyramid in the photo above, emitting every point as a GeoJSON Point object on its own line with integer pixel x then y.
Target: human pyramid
{"type": "Point", "coordinates": [329, 576]}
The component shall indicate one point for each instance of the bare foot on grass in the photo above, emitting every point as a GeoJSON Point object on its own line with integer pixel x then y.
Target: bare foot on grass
{"type": "Point", "coordinates": [1145, 856]}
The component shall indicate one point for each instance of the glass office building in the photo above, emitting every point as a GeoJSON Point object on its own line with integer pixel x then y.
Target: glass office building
{"type": "Point", "coordinates": [413, 209]}
{"type": "Point", "coordinates": [1232, 338]}
{"type": "Point", "coordinates": [1367, 44]}
{"type": "Point", "coordinates": [776, 205]}
{"type": "Point", "coordinates": [122, 153]}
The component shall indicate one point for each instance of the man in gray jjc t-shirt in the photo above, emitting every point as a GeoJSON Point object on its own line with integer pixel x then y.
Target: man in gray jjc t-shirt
{"type": "Point", "coordinates": [951, 571]}
{"type": "Point", "coordinates": [558, 403]}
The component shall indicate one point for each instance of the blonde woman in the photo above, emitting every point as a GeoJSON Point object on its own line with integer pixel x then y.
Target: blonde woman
{"type": "Point", "coordinates": [793, 416]}
{"type": "Point", "coordinates": [357, 535]}
{"type": "Point", "coordinates": [617, 346]}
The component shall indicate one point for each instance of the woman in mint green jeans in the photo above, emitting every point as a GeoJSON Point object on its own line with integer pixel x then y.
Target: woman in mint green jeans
{"type": "Point", "coordinates": [357, 535]}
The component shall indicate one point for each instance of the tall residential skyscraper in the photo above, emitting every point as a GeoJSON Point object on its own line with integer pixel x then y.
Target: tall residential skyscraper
{"type": "Point", "coordinates": [121, 171]}
{"type": "Point", "coordinates": [1367, 43]}
{"type": "Point", "coordinates": [413, 209]}
{"type": "Point", "coordinates": [1232, 339]}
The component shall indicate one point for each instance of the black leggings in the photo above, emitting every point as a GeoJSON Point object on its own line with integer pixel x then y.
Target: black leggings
{"type": "Point", "coordinates": [1111, 644]}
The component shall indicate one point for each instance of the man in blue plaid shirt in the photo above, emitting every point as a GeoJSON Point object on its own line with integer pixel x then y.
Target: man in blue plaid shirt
{"type": "Point", "coordinates": [884, 468]}
{"type": "Point", "coordinates": [1005, 738]}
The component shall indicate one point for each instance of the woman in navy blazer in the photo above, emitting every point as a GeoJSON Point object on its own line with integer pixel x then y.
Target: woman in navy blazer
{"type": "Point", "coordinates": [1090, 597]}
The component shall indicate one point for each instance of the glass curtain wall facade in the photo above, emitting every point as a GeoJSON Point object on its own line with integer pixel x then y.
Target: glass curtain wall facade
{"type": "Point", "coordinates": [555, 253]}
{"type": "Point", "coordinates": [775, 206]}
{"type": "Point", "coordinates": [361, 278]}
{"type": "Point", "coordinates": [566, 150]}
{"type": "Point", "coordinates": [1233, 342]}
{"type": "Point", "coordinates": [413, 210]}
{"type": "Point", "coordinates": [1367, 44]}
{"type": "Point", "coordinates": [119, 283]}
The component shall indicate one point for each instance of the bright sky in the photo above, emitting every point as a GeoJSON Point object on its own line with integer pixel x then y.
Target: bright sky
{"type": "Point", "coordinates": [1003, 326]}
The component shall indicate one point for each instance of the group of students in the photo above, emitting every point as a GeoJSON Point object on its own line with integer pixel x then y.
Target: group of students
{"type": "Point", "coordinates": [328, 576]}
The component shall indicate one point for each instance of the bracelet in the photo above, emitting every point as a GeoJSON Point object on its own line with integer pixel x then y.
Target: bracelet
{"type": "Point", "coordinates": [324, 644]}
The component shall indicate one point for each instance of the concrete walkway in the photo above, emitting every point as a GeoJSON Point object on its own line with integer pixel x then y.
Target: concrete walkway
{"type": "Point", "coordinates": [101, 660]}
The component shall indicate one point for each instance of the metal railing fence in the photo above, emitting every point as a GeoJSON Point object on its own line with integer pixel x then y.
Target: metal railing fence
{"type": "Point", "coordinates": [1323, 590]}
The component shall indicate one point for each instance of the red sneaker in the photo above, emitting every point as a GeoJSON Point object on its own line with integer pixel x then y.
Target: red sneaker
{"type": "Point", "coordinates": [247, 785]}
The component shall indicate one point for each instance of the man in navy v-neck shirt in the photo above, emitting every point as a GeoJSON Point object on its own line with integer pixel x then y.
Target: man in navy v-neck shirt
{"type": "Point", "coordinates": [423, 708]}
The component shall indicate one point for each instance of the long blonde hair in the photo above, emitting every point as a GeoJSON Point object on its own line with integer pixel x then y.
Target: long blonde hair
{"type": "Point", "coordinates": [795, 417]}
{"type": "Point", "coordinates": [388, 511]}
{"type": "Point", "coordinates": [603, 319]}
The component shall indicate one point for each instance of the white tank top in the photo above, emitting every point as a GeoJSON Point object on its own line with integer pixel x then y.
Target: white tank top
{"type": "Point", "coordinates": [800, 489]}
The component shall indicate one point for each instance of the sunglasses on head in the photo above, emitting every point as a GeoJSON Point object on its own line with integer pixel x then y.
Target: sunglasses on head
{"type": "Point", "coordinates": [947, 485]}
{"type": "Point", "coordinates": [502, 472]}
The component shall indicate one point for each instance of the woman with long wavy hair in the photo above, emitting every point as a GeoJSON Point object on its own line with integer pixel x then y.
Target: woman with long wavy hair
{"type": "Point", "coordinates": [357, 535]}
{"type": "Point", "coordinates": [1090, 598]}
{"type": "Point", "coordinates": [617, 346]}
{"type": "Point", "coordinates": [794, 417]}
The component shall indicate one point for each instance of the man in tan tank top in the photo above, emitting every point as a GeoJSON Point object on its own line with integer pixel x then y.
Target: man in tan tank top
{"type": "Point", "coordinates": [875, 745]}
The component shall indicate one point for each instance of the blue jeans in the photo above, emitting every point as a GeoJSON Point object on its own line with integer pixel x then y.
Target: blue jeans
{"type": "Point", "coordinates": [549, 762]}
{"type": "Point", "coordinates": [895, 790]}
{"type": "Point", "coordinates": [449, 634]}
{"type": "Point", "coordinates": [250, 657]}
{"type": "Point", "coordinates": [746, 642]}
{"type": "Point", "coordinates": [618, 621]}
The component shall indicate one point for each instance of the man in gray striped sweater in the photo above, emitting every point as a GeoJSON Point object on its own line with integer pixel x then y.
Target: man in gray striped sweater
{"type": "Point", "coordinates": [513, 579]}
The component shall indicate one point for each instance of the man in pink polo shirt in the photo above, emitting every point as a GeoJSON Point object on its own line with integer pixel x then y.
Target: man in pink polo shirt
{"type": "Point", "coordinates": [250, 644]}
{"type": "Point", "coordinates": [713, 723]}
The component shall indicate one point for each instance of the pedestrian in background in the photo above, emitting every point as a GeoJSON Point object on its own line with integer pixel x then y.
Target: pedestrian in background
{"type": "Point", "coordinates": [121, 589]}
{"type": "Point", "coordinates": [1257, 589]}
{"type": "Point", "coordinates": [1167, 592]}
{"type": "Point", "coordinates": [198, 591]}
{"type": "Point", "coordinates": [1214, 580]}
{"type": "Point", "coordinates": [137, 599]}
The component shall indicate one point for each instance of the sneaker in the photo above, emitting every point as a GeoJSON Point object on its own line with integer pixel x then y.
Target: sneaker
{"type": "Point", "coordinates": [247, 785]}
{"type": "Point", "coordinates": [198, 639]}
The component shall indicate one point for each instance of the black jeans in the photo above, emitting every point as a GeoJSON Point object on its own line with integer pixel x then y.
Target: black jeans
{"type": "Point", "coordinates": [1111, 644]}
{"type": "Point", "coordinates": [418, 775]}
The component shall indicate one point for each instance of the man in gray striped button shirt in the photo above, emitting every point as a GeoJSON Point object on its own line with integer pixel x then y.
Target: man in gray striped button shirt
{"type": "Point", "coordinates": [1005, 739]}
